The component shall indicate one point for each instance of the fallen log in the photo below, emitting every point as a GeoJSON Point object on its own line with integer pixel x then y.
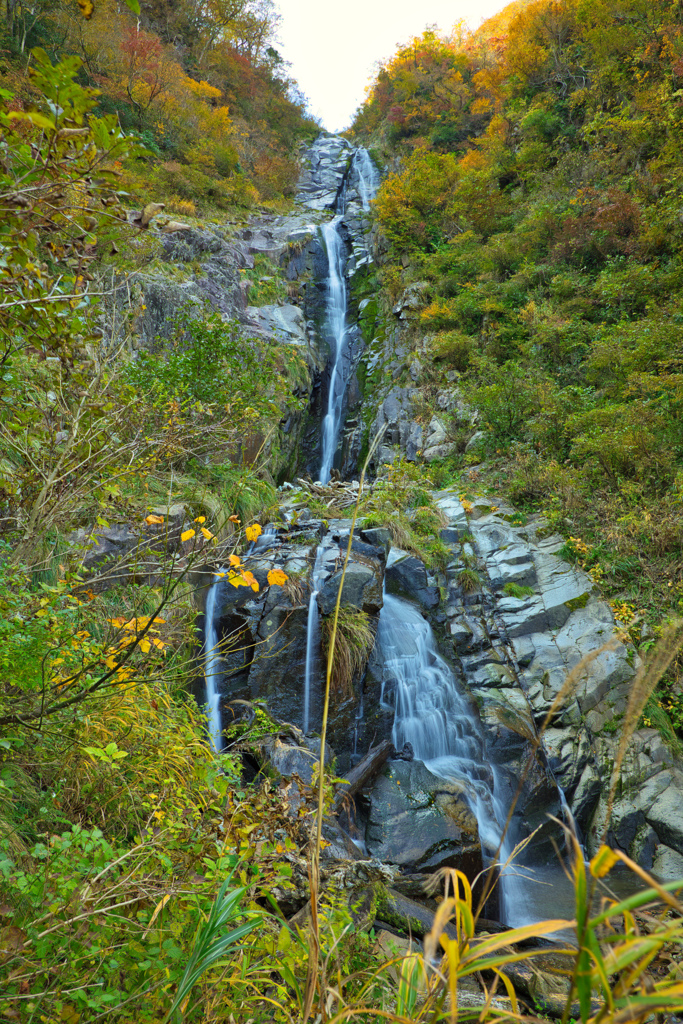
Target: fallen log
{"type": "Point", "coordinates": [362, 773]}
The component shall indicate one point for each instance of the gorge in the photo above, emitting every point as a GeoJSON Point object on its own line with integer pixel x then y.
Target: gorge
{"type": "Point", "coordinates": [464, 730]}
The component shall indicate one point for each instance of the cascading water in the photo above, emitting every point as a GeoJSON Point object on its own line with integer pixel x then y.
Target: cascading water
{"type": "Point", "coordinates": [368, 177]}
{"type": "Point", "coordinates": [336, 317]}
{"type": "Point", "coordinates": [312, 636]}
{"type": "Point", "coordinates": [434, 717]}
{"type": "Point", "coordinates": [212, 665]}
{"type": "Point", "coordinates": [337, 308]}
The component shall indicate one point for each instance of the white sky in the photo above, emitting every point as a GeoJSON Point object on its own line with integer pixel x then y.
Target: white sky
{"type": "Point", "coordinates": [333, 45]}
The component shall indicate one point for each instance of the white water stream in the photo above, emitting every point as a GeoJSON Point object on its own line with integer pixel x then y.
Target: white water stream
{"type": "Point", "coordinates": [312, 636]}
{"type": "Point", "coordinates": [368, 177]}
{"type": "Point", "coordinates": [433, 716]}
{"type": "Point", "coordinates": [337, 304]}
{"type": "Point", "coordinates": [212, 665]}
{"type": "Point", "coordinates": [337, 309]}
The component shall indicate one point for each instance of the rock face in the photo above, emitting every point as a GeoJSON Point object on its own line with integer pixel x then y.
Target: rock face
{"type": "Point", "coordinates": [264, 636]}
{"type": "Point", "coordinates": [517, 654]}
{"type": "Point", "coordinates": [419, 821]}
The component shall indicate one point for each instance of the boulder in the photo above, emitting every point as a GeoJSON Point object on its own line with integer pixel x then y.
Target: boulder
{"type": "Point", "coordinates": [285, 324]}
{"type": "Point", "coordinates": [421, 821]}
{"type": "Point", "coordinates": [406, 576]}
{"type": "Point", "coordinates": [362, 590]}
{"type": "Point", "coordinates": [667, 864]}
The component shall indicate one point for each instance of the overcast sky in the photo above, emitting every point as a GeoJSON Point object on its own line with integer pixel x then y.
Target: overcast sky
{"type": "Point", "coordinates": [334, 46]}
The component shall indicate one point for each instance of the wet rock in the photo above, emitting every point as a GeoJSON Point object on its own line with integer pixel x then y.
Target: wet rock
{"type": "Point", "coordinates": [378, 537]}
{"type": "Point", "coordinates": [418, 820]}
{"type": "Point", "coordinates": [277, 674]}
{"type": "Point", "coordinates": [362, 590]}
{"type": "Point", "coordinates": [406, 576]}
{"type": "Point", "coordinates": [545, 980]}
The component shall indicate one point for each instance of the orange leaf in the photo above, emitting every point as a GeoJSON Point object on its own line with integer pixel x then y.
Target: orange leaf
{"type": "Point", "coordinates": [253, 532]}
{"type": "Point", "coordinates": [250, 580]}
{"type": "Point", "coordinates": [276, 577]}
{"type": "Point", "coordinates": [235, 519]}
{"type": "Point", "coordinates": [186, 535]}
{"type": "Point", "coordinates": [154, 520]}
{"type": "Point", "coordinates": [234, 560]}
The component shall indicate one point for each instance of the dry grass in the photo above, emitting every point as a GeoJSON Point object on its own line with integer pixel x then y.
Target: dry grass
{"type": "Point", "coordinates": [355, 640]}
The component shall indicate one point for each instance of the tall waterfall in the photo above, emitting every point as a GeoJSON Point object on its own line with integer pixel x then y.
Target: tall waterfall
{"type": "Point", "coordinates": [337, 303]}
{"type": "Point", "coordinates": [212, 665]}
{"type": "Point", "coordinates": [337, 308]}
{"type": "Point", "coordinates": [368, 177]}
{"type": "Point", "coordinates": [433, 716]}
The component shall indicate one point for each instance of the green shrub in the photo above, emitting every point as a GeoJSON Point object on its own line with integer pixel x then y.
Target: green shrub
{"type": "Point", "coordinates": [515, 590]}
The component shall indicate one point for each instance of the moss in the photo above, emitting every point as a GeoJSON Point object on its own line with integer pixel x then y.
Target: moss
{"type": "Point", "coordinates": [578, 602]}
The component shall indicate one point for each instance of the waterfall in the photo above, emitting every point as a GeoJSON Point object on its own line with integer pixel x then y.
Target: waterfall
{"type": "Point", "coordinates": [212, 665]}
{"type": "Point", "coordinates": [337, 307]}
{"type": "Point", "coordinates": [433, 716]}
{"type": "Point", "coordinates": [336, 317]}
{"type": "Point", "coordinates": [368, 177]}
{"type": "Point", "coordinates": [312, 635]}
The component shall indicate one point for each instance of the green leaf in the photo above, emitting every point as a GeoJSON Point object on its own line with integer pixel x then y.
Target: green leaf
{"type": "Point", "coordinates": [39, 120]}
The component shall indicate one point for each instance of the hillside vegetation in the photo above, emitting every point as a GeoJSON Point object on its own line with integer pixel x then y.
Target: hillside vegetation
{"type": "Point", "coordinates": [143, 876]}
{"type": "Point", "coordinates": [534, 188]}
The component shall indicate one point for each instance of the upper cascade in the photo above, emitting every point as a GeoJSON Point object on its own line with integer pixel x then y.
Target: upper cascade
{"type": "Point", "coordinates": [344, 181]}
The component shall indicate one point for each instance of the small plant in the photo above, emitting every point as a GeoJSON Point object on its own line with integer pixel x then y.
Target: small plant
{"type": "Point", "coordinates": [515, 590]}
{"type": "Point", "coordinates": [469, 580]}
{"type": "Point", "coordinates": [427, 521]}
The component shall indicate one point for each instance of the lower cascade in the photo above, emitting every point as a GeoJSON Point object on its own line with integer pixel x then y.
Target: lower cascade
{"type": "Point", "coordinates": [433, 716]}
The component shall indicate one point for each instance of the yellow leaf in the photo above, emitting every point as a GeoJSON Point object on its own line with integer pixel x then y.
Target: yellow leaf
{"type": "Point", "coordinates": [236, 579]}
{"type": "Point", "coordinates": [251, 580]}
{"type": "Point", "coordinates": [207, 533]}
{"type": "Point", "coordinates": [603, 862]}
{"type": "Point", "coordinates": [253, 532]}
{"type": "Point", "coordinates": [159, 644]}
{"type": "Point", "coordinates": [154, 520]}
{"type": "Point", "coordinates": [145, 646]}
{"type": "Point", "coordinates": [276, 577]}
{"type": "Point", "coordinates": [186, 535]}
{"type": "Point", "coordinates": [200, 519]}
{"type": "Point", "coordinates": [118, 622]}
{"type": "Point", "coordinates": [234, 560]}
{"type": "Point", "coordinates": [87, 7]}
{"type": "Point", "coordinates": [111, 661]}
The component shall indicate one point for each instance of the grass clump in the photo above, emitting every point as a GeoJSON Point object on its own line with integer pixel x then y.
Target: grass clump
{"type": "Point", "coordinates": [354, 642]}
{"type": "Point", "coordinates": [469, 580]}
{"type": "Point", "coordinates": [515, 590]}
